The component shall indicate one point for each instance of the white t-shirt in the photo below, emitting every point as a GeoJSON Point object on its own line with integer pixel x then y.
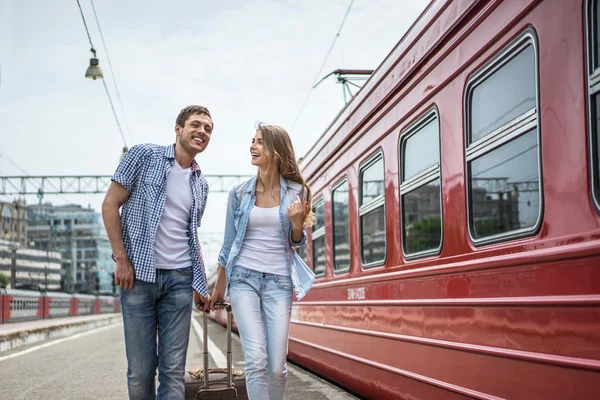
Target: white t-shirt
{"type": "Point", "coordinates": [263, 249]}
{"type": "Point", "coordinates": [171, 243]}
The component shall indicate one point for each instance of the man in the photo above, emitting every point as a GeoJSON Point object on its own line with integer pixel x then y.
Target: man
{"type": "Point", "coordinates": [157, 252]}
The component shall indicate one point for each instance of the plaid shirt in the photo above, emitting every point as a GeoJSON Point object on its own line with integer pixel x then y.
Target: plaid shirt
{"type": "Point", "coordinates": [143, 172]}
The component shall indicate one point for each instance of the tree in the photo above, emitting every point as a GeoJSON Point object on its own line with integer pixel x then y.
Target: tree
{"type": "Point", "coordinates": [489, 226]}
{"type": "Point", "coordinates": [4, 281]}
{"type": "Point", "coordinates": [423, 234]}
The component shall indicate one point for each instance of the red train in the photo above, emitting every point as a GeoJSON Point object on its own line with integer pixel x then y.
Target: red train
{"type": "Point", "coordinates": [25, 305]}
{"type": "Point", "coordinates": [458, 196]}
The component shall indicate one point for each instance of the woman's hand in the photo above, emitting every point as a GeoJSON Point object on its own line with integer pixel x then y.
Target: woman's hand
{"type": "Point", "coordinates": [297, 213]}
{"type": "Point", "coordinates": [218, 295]}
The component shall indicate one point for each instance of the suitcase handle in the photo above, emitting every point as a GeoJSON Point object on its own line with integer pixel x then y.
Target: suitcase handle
{"type": "Point", "coordinates": [227, 308]}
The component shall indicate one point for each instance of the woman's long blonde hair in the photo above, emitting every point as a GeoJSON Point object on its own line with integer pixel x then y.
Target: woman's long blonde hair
{"type": "Point", "coordinates": [278, 144]}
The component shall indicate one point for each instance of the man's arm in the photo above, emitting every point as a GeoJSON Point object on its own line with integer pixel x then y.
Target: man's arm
{"type": "Point", "coordinates": [114, 199]}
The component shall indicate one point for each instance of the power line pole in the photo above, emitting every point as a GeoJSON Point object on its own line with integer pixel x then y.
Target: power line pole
{"type": "Point", "coordinates": [13, 266]}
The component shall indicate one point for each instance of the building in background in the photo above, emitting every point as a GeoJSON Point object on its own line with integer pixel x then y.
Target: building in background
{"type": "Point", "coordinates": [33, 269]}
{"type": "Point", "coordinates": [13, 221]}
{"type": "Point", "coordinates": [78, 234]}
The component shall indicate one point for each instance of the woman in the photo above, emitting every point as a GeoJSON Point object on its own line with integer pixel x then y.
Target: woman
{"type": "Point", "coordinates": [258, 267]}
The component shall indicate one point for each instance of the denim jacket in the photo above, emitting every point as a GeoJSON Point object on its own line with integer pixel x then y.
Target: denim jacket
{"type": "Point", "coordinates": [239, 204]}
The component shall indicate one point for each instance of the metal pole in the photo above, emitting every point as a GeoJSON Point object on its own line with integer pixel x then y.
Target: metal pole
{"type": "Point", "coordinates": [205, 344]}
{"type": "Point", "coordinates": [2, 293]}
{"type": "Point", "coordinates": [13, 268]}
{"type": "Point", "coordinates": [46, 269]}
{"type": "Point", "coordinates": [74, 260]}
{"type": "Point", "coordinates": [229, 357]}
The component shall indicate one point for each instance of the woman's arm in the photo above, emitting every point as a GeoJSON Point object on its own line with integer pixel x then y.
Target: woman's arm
{"type": "Point", "coordinates": [297, 213]}
{"type": "Point", "coordinates": [230, 234]}
{"type": "Point", "coordinates": [230, 231]}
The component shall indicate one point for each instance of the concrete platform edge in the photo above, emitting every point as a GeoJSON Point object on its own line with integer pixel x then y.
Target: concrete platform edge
{"type": "Point", "coordinates": [14, 340]}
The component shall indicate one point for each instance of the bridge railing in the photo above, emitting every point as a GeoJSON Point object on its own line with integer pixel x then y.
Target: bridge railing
{"type": "Point", "coordinates": [27, 305]}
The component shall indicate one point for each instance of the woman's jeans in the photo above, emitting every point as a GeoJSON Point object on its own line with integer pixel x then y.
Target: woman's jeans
{"type": "Point", "coordinates": [164, 306]}
{"type": "Point", "coordinates": [262, 305]}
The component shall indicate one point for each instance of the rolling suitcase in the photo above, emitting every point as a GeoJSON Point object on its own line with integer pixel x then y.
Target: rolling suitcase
{"type": "Point", "coordinates": [230, 385]}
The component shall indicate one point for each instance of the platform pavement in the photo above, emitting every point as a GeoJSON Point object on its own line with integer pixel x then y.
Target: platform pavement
{"type": "Point", "coordinates": [92, 365]}
{"type": "Point", "coordinates": [302, 385]}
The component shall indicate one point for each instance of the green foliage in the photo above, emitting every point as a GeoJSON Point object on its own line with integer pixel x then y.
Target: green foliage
{"type": "Point", "coordinates": [489, 226]}
{"type": "Point", "coordinates": [4, 281]}
{"type": "Point", "coordinates": [424, 234]}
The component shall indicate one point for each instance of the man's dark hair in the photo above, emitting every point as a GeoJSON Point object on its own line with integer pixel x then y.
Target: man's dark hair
{"type": "Point", "coordinates": [189, 111]}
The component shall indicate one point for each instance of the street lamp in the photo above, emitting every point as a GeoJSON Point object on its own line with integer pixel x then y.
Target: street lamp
{"type": "Point", "coordinates": [94, 70]}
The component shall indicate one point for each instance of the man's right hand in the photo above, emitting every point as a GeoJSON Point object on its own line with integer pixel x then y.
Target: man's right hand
{"type": "Point", "coordinates": [116, 196]}
{"type": "Point", "coordinates": [124, 274]}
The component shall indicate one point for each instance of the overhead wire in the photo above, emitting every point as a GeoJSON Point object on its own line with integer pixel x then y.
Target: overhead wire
{"type": "Point", "coordinates": [315, 80]}
{"type": "Point", "coordinates": [112, 72]}
{"type": "Point", "coordinates": [13, 162]}
{"type": "Point", "coordinates": [93, 50]}
{"type": "Point", "coordinates": [86, 28]}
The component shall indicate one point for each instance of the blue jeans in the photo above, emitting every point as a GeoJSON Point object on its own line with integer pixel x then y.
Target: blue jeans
{"type": "Point", "coordinates": [262, 305]}
{"type": "Point", "coordinates": [164, 307]}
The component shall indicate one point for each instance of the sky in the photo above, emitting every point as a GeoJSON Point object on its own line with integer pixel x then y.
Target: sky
{"type": "Point", "coordinates": [247, 61]}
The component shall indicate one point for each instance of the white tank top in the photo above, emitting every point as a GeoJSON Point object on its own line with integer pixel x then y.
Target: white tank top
{"type": "Point", "coordinates": [171, 247]}
{"type": "Point", "coordinates": [263, 249]}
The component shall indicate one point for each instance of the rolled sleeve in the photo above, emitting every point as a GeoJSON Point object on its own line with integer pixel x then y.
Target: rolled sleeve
{"type": "Point", "coordinates": [302, 241]}
{"type": "Point", "coordinates": [222, 258]}
{"type": "Point", "coordinates": [129, 168]}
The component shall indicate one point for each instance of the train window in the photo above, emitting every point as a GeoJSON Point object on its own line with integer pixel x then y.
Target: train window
{"type": "Point", "coordinates": [596, 25]}
{"type": "Point", "coordinates": [318, 239]}
{"type": "Point", "coordinates": [503, 164]}
{"type": "Point", "coordinates": [372, 212]}
{"type": "Point", "coordinates": [596, 144]}
{"type": "Point", "coordinates": [372, 181]}
{"type": "Point", "coordinates": [341, 228]}
{"type": "Point", "coordinates": [593, 28]}
{"type": "Point", "coordinates": [420, 189]}
{"type": "Point", "coordinates": [593, 36]}
{"type": "Point", "coordinates": [503, 96]}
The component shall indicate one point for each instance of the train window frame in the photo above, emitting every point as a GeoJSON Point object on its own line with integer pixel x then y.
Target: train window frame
{"type": "Point", "coordinates": [364, 209]}
{"type": "Point", "coordinates": [317, 234]}
{"type": "Point", "coordinates": [419, 180]}
{"type": "Point", "coordinates": [333, 189]}
{"type": "Point", "coordinates": [592, 89]}
{"type": "Point", "coordinates": [516, 128]}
